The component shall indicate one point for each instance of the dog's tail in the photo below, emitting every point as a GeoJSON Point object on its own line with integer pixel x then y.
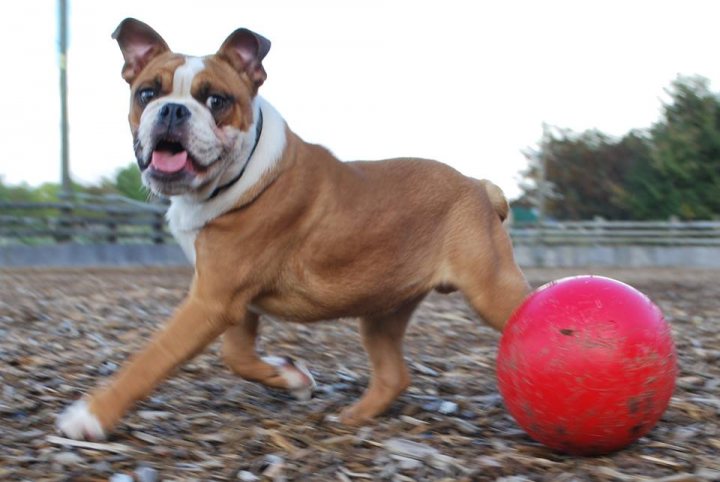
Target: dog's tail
{"type": "Point", "coordinates": [497, 198]}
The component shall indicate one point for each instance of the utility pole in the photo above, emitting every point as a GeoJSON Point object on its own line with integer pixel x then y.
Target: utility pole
{"type": "Point", "coordinates": [64, 145]}
{"type": "Point", "coordinates": [542, 192]}
{"type": "Point", "coordinates": [542, 181]}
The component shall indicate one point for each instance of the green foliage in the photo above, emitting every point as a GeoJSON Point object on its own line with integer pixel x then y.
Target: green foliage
{"type": "Point", "coordinates": [683, 177]}
{"type": "Point", "coordinates": [673, 169]}
{"type": "Point", "coordinates": [47, 192]}
{"type": "Point", "coordinates": [128, 183]}
{"type": "Point", "coordinates": [585, 173]}
{"type": "Point", "coordinates": [125, 182]}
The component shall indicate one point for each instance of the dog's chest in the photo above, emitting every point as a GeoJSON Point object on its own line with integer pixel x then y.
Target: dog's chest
{"type": "Point", "coordinates": [186, 240]}
{"type": "Point", "coordinates": [182, 230]}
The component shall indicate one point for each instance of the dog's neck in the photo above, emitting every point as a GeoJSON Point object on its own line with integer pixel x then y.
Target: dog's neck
{"type": "Point", "coordinates": [258, 132]}
{"type": "Point", "coordinates": [241, 183]}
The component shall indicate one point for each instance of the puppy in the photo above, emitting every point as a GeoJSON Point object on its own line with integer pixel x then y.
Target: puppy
{"type": "Point", "coordinates": [279, 226]}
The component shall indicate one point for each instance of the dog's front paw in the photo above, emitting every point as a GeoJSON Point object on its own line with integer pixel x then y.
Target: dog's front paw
{"type": "Point", "coordinates": [300, 382]}
{"type": "Point", "coordinates": [78, 422]}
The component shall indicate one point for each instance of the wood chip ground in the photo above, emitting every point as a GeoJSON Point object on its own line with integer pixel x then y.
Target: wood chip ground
{"type": "Point", "coordinates": [64, 331]}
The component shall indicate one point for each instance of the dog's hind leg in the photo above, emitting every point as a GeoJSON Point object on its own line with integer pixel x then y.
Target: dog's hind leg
{"type": "Point", "coordinates": [489, 277]}
{"type": "Point", "coordinates": [497, 296]}
{"type": "Point", "coordinates": [238, 351]}
{"type": "Point", "coordinates": [382, 337]}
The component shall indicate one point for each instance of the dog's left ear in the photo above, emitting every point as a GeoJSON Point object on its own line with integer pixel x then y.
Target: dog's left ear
{"type": "Point", "coordinates": [245, 50]}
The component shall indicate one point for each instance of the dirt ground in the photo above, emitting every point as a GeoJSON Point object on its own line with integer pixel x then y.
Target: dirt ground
{"type": "Point", "coordinates": [64, 331]}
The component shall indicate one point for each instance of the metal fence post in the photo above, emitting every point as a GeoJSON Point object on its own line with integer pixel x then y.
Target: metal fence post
{"type": "Point", "coordinates": [158, 229]}
{"type": "Point", "coordinates": [65, 224]}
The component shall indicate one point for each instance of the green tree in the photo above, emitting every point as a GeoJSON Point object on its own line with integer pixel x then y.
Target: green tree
{"type": "Point", "coordinates": [683, 176]}
{"type": "Point", "coordinates": [47, 192]}
{"type": "Point", "coordinates": [673, 169]}
{"type": "Point", "coordinates": [128, 183]}
{"type": "Point", "coordinates": [14, 193]}
{"type": "Point", "coordinates": [584, 174]}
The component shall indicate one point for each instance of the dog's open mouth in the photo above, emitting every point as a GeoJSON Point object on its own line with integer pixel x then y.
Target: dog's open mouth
{"type": "Point", "coordinates": [171, 157]}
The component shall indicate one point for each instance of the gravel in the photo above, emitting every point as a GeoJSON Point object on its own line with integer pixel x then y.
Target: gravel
{"type": "Point", "coordinates": [64, 331]}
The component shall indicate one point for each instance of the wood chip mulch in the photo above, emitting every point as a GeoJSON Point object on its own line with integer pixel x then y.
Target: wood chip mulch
{"type": "Point", "coordinates": [64, 331]}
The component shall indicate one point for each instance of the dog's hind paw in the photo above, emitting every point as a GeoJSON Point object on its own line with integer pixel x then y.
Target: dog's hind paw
{"type": "Point", "coordinates": [77, 422]}
{"type": "Point", "coordinates": [300, 382]}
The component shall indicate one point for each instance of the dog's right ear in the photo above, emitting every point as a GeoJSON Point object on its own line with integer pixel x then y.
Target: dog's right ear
{"type": "Point", "coordinates": [139, 44]}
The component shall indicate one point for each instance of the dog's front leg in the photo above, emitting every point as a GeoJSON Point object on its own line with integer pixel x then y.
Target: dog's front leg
{"type": "Point", "coordinates": [193, 326]}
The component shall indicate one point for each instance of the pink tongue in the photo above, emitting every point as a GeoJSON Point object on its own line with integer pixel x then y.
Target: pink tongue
{"type": "Point", "coordinates": [168, 162]}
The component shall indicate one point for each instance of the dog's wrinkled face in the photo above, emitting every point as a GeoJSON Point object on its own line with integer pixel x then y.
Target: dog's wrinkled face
{"type": "Point", "coordinates": [192, 118]}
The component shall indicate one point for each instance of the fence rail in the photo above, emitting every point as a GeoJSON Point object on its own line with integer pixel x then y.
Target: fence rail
{"type": "Point", "coordinates": [602, 232]}
{"type": "Point", "coordinates": [114, 219]}
{"type": "Point", "coordinates": [85, 220]}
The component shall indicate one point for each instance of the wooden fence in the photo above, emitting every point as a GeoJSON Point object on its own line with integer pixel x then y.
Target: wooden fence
{"type": "Point", "coordinates": [115, 219]}
{"type": "Point", "coordinates": [85, 220]}
{"type": "Point", "coordinates": [601, 232]}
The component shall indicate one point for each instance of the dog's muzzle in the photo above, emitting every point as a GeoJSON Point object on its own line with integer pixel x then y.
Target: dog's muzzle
{"type": "Point", "coordinates": [169, 154]}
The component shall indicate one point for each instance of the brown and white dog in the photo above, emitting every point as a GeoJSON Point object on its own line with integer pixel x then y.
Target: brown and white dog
{"type": "Point", "coordinates": [279, 226]}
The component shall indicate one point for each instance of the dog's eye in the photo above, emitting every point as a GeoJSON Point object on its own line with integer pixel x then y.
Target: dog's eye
{"type": "Point", "coordinates": [144, 96]}
{"type": "Point", "coordinates": [216, 103]}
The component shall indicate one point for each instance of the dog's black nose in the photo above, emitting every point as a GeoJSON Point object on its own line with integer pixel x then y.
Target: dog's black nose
{"type": "Point", "coordinates": [173, 115]}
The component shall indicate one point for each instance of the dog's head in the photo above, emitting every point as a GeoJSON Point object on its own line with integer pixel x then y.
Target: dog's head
{"type": "Point", "coordinates": [193, 119]}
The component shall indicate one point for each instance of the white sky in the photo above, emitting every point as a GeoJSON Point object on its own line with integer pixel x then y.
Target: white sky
{"type": "Point", "coordinates": [468, 83]}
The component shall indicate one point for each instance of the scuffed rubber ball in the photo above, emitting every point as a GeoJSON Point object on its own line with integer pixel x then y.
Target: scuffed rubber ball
{"type": "Point", "coordinates": [587, 365]}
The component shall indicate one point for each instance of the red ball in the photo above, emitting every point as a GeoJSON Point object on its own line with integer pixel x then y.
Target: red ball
{"type": "Point", "coordinates": [587, 365]}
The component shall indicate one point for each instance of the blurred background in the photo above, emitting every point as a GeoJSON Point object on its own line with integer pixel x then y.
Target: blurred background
{"type": "Point", "coordinates": [600, 120]}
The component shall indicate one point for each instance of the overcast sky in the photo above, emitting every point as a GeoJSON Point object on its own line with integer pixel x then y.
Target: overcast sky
{"type": "Point", "coordinates": [467, 83]}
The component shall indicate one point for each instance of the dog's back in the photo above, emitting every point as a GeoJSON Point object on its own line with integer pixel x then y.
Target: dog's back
{"type": "Point", "coordinates": [407, 168]}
